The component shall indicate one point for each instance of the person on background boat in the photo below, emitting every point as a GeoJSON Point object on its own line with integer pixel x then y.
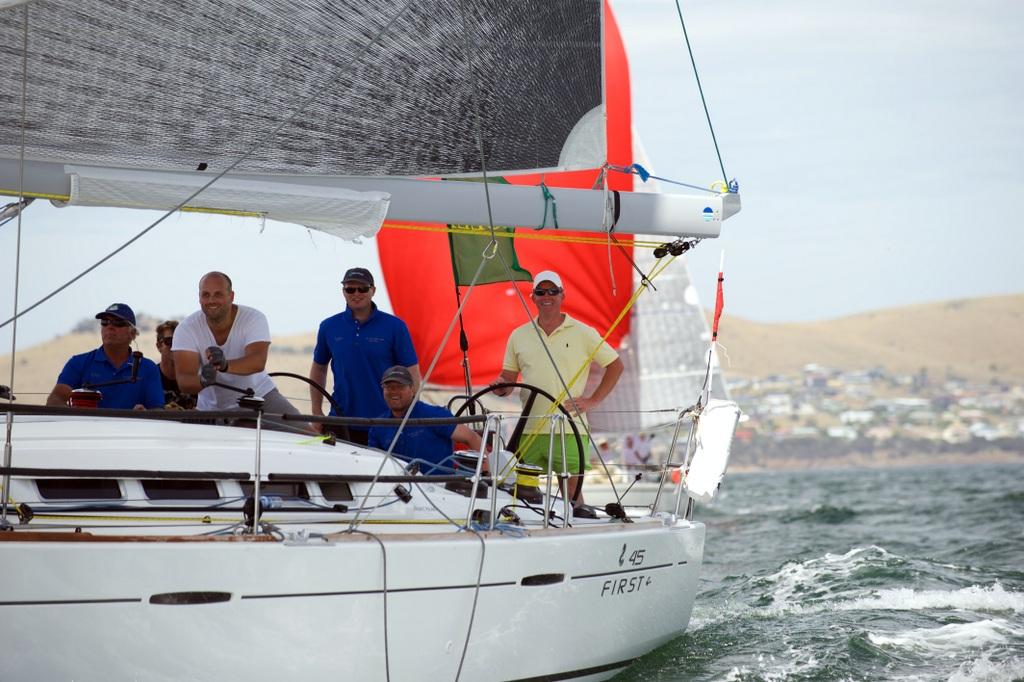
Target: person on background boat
{"type": "Point", "coordinates": [225, 343]}
{"type": "Point", "coordinates": [113, 361]}
{"type": "Point", "coordinates": [434, 443]}
{"type": "Point", "coordinates": [174, 397]}
{"type": "Point", "coordinates": [359, 343]}
{"type": "Point", "coordinates": [572, 345]}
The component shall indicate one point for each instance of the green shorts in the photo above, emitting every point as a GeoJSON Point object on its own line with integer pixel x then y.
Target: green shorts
{"type": "Point", "coordinates": [534, 450]}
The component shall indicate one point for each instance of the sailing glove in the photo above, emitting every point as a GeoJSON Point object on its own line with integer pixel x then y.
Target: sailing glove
{"type": "Point", "coordinates": [207, 375]}
{"type": "Point", "coordinates": [216, 356]}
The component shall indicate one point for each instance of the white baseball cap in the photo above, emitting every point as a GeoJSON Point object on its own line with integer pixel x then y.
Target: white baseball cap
{"type": "Point", "coordinates": [548, 276]}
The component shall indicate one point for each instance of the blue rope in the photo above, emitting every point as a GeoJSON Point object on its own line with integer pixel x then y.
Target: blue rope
{"type": "Point", "coordinates": [645, 175]}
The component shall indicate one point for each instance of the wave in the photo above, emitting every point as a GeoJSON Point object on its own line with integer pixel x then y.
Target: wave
{"type": "Point", "coordinates": [974, 598]}
{"type": "Point", "coordinates": [950, 640]}
{"type": "Point", "coordinates": [985, 669]}
{"type": "Point", "coordinates": [822, 514]}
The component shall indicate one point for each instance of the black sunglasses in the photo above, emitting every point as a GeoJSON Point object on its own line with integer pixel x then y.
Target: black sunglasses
{"type": "Point", "coordinates": [165, 340]}
{"type": "Point", "coordinates": [352, 290]}
{"type": "Point", "coordinates": [117, 323]}
{"type": "Point", "coordinates": [550, 291]}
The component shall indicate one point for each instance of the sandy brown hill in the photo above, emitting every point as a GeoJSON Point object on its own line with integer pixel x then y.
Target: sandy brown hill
{"type": "Point", "coordinates": [977, 338]}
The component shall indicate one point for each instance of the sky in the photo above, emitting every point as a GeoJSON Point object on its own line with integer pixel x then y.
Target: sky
{"type": "Point", "coordinates": [878, 147]}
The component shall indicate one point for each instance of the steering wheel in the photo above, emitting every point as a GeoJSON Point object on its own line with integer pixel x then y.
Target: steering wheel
{"type": "Point", "coordinates": [517, 433]}
{"type": "Point", "coordinates": [342, 431]}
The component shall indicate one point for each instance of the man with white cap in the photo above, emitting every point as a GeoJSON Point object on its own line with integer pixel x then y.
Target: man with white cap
{"type": "Point", "coordinates": [572, 345]}
{"type": "Point", "coordinates": [130, 383]}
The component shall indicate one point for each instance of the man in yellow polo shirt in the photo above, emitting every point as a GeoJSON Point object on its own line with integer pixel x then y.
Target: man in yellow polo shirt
{"type": "Point", "coordinates": [572, 345]}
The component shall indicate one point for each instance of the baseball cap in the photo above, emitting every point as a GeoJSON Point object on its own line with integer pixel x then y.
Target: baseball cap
{"type": "Point", "coordinates": [119, 310]}
{"type": "Point", "coordinates": [548, 276]}
{"type": "Point", "coordinates": [399, 374]}
{"type": "Point", "coordinates": [358, 275]}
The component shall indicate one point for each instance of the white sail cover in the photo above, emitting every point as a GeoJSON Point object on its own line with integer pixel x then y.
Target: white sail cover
{"type": "Point", "coordinates": [713, 442]}
{"type": "Point", "coordinates": [342, 212]}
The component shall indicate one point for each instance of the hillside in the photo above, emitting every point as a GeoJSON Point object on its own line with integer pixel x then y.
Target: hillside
{"type": "Point", "coordinates": [977, 339]}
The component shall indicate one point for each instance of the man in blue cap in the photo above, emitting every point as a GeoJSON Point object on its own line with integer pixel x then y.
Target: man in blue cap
{"type": "Point", "coordinates": [130, 382]}
{"type": "Point", "coordinates": [359, 343]}
{"type": "Point", "coordinates": [429, 444]}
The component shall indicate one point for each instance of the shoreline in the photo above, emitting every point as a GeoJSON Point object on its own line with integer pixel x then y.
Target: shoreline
{"type": "Point", "coordinates": [880, 460]}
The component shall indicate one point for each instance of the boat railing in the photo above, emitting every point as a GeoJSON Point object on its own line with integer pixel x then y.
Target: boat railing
{"type": "Point", "coordinates": [252, 411]}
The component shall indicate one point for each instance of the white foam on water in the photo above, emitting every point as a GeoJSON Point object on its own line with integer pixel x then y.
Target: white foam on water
{"type": "Point", "coordinates": [776, 668]}
{"type": "Point", "coordinates": [950, 640]}
{"type": "Point", "coordinates": [984, 669]}
{"type": "Point", "coordinates": [794, 578]}
{"type": "Point", "coordinates": [974, 598]}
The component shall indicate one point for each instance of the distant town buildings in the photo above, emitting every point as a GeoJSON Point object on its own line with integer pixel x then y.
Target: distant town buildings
{"type": "Point", "coordinates": [872, 408]}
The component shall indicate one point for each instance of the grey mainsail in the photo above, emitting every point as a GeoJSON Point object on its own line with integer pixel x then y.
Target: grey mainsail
{"type": "Point", "coordinates": [374, 88]}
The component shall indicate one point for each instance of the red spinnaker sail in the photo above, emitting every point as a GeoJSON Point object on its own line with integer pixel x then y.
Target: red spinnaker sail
{"type": "Point", "coordinates": [417, 265]}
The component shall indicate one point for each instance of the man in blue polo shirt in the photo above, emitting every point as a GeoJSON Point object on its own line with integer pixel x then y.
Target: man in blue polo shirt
{"type": "Point", "coordinates": [431, 444]}
{"type": "Point", "coordinates": [359, 344]}
{"type": "Point", "coordinates": [112, 362]}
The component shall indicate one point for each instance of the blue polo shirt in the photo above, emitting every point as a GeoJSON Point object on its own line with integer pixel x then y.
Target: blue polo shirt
{"type": "Point", "coordinates": [95, 367]}
{"type": "Point", "coordinates": [358, 353]}
{"type": "Point", "coordinates": [429, 443]}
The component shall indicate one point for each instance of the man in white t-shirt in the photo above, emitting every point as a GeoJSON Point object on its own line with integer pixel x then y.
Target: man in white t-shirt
{"type": "Point", "coordinates": [228, 344]}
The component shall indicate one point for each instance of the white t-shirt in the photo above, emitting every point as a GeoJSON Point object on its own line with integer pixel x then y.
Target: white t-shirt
{"type": "Point", "coordinates": [250, 326]}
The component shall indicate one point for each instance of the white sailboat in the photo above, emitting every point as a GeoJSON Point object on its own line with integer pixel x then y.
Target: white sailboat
{"type": "Point", "coordinates": [153, 548]}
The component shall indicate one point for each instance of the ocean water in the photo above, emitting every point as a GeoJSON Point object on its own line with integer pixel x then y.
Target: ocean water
{"type": "Point", "coordinates": [906, 574]}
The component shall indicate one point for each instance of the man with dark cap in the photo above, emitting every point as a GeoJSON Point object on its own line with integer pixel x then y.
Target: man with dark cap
{"type": "Point", "coordinates": [131, 383]}
{"type": "Point", "coordinates": [429, 444]}
{"type": "Point", "coordinates": [359, 343]}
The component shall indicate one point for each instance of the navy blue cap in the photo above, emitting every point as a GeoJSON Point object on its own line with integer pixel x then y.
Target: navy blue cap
{"type": "Point", "coordinates": [397, 373]}
{"type": "Point", "coordinates": [358, 275]}
{"type": "Point", "coordinates": [121, 311]}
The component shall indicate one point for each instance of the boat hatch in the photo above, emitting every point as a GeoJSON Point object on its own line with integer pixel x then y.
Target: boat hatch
{"type": "Point", "coordinates": [336, 491]}
{"type": "Point", "coordinates": [287, 490]}
{"type": "Point", "coordinates": [78, 489]}
{"type": "Point", "coordinates": [180, 490]}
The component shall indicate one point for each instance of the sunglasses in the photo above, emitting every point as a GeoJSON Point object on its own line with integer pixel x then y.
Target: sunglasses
{"type": "Point", "coordinates": [117, 323]}
{"type": "Point", "coordinates": [550, 291]}
{"type": "Point", "coordinates": [165, 340]}
{"type": "Point", "coordinates": [352, 290]}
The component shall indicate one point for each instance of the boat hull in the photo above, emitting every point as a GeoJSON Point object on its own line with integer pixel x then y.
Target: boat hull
{"type": "Point", "coordinates": [548, 606]}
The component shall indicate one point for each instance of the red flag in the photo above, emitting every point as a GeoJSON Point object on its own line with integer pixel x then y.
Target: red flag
{"type": "Point", "coordinates": [719, 304]}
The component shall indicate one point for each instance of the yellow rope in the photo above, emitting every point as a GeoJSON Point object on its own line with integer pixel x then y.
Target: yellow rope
{"type": "Point", "coordinates": [546, 235]}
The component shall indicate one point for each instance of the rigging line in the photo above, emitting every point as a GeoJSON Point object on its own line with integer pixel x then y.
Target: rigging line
{"type": "Point", "coordinates": [419, 391]}
{"type": "Point", "coordinates": [476, 114]}
{"type": "Point", "coordinates": [384, 594]}
{"type": "Point", "coordinates": [476, 599]}
{"type": "Point", "coordinates": [17, 260]}
{"type": "Point", "coordinates": [632, 170]}
{"type": "Point", "coordinates": [259, 144]}
{"type": "Point", "coordinates": [725, 177]}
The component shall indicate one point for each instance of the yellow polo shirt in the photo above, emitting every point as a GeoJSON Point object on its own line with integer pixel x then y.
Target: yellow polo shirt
{"type": "Point", "coordinates": [570, 344]}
